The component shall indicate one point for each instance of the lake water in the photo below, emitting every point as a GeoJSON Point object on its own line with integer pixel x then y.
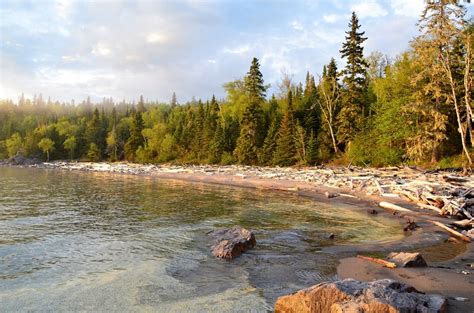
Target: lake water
{"type": "Point", "coordinates": [74, 241]}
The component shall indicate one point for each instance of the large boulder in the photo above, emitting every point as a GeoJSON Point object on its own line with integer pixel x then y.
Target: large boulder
{"type": "Point", "coordinates": [21, 160]}
{"type": "Point", "coordinates": [232, 242]}
{"type": "Point", "coordinates": [352, 296]}
{"type": "Point", "coordinates": [405, 259]}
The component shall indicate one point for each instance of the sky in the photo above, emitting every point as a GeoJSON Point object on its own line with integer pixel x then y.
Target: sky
{"type": "Point", "coordinates": [70, 49]}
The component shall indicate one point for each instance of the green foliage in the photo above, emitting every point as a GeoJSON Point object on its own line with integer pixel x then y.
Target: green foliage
{"type": "Point", "coordinates": [248, 141]}
{"type": "Point", "coordinates": [136, 139]}
{"type": "Point", "coordinates": [350, 117]}
{"type": "Point", "coordinates": [285, 151]}
{"type": "Point", "coordinates": [14, 145]}
{"type": "Point", "coordinates": [70, 144]}
{"type": "Point", "coordinates": [93, 153]}
{"type": "Point", "coordinates": [46, 145]}
{"type": "Point", "coordinates": [374, 112]}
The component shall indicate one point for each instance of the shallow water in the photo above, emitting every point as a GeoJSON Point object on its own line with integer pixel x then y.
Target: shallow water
{"type": "Point", "coordinates": [97, 242]}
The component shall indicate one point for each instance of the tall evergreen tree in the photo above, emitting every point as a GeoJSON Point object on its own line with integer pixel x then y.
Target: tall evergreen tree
{"type": "Point", "coordinates": [252, 132]}
{"type": "Point", "coordinates": [254, 83]}
{"type": "Point", "coordinates": [350, 117]}
{"type": "Point", "coordinates": [93, 133]}
{"type": "Point", "coordinates": [285, 151]}
{"type": "Point", "coordinates": [247, 143]}
{"type": "Point", "coordinates": [136, 138]}
{"type": "Point", "coordinates": [141, 105]}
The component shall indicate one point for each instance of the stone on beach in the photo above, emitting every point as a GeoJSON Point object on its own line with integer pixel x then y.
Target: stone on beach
{"type": "Point", "coordinates": [406, 259]}
{"type": "Point", "coordinates": [21, 160]}
{"type": "Point", "coordinates": [349, 295]}
{"type": "Point", "coordinates": [232, 242]}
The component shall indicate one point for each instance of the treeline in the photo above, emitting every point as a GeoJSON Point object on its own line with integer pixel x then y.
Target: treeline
{"type": "Point", "coordinates": [375, 111]}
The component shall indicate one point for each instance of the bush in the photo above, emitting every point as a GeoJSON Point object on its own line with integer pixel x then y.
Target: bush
{"type": "Point", "coordinates": [227, 159]}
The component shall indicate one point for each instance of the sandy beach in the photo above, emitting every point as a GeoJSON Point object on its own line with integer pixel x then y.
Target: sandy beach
{"type": "Point", "coordinates": [450, 271]}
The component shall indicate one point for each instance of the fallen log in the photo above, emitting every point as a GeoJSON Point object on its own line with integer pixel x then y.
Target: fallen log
{"type": "Point", "coordinates": [463, 223]}
{"type": "Point", "coordinates": [452, 231]}
{"type": "Point", "coordinates": [378, 261]}
{"type": "Point", "coordinates": [430, 207]}
{"type": "Point", "coordinates": [391, 206]}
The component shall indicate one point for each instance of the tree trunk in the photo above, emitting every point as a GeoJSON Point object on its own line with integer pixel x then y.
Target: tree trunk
{"type": "Point", "coordinates": [458, 117]}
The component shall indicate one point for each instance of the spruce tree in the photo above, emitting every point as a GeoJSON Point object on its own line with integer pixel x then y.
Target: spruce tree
{"type": "Point", "coordinates": [269, 145]}
{"type": "Point", "coordinates": [93, 133]}
{"type": "Point", "coordinates": [252, 132]}
{"type": "Point", "coordinates": [141, 105]}
{"type": "Point", "coordinates": [254, 83]}
{"type": "Point", "coordinates": [216, 147]}
{"type": "Point", "coordinates": [136, 138]}
{"type": "Point", "coordinates": [285, 151]}
{"type": "Point", "coordinates": [350, 117]}
{"type": "Point", "coordinates": [247, 143]}
{"type": "Point", "coordinates": [311, 150]}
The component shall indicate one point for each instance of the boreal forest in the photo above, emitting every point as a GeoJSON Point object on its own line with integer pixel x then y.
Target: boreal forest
{"type": "Point", "coordinates": [413, 109]}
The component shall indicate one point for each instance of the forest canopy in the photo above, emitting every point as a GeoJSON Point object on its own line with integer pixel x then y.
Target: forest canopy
{"type": "Point", "coordinates": [377, 111]}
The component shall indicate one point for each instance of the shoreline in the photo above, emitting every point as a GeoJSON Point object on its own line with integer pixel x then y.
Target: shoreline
{"type": "Point", "coordinates": [447, 274]}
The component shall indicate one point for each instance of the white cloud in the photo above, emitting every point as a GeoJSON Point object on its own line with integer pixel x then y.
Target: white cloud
{"type": "Point", "coordinates": [155, 37]}
{"type": "Point", "coordinates": [409, 8]}
{"type": "Point", "coordinates": [100, 49]}
{"type": "Point", "coordinates": [237, 50]}
{"type": "Point", "coordinates": [212, 61]}
{"type": "Point", "coordinates": [333, 18]}
{"type": "Point", "coordinates": [71, 58]}
{"type": "Point", "coordinates": [369, 8]}
{"type": "Point", "coordinates": [297, 25]}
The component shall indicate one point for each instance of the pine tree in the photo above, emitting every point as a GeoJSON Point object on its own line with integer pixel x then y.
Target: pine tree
{"type": "Point", "coordinates": [141, 105]}
{"type": "Point", "coordinates": [285, 150]}
{"type": "Point", "coordinates": [216, 147]}
{"type": "Point", "coordinates": [252, 131]}
{"type": "Point", "coordinates": [254, 83]}
{"type": "Point", "coordinates": [350, 117]}
{"type": "Point", "coordinates": [200, 144]}
{"type": "Point", "coordinates": [269, 145]}
{"type": "Point", "coordinates": [247, 143]}
{"type": "Point", "coordinates": [311, 150]}
{"type": "Point", "coordinates": [136, 138]}
{"type": "Point", "coordinates": [93, 133]}
{"type": "Point", "coordinates": [174, 101]}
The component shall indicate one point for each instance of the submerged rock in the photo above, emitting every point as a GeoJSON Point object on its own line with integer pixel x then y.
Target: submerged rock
{"type": "Point", "coordinates": [405, 259]}
{"type": "Point", "coordinates": [232, 242]}
{"type": "Point", "coordinates": [349, 295]}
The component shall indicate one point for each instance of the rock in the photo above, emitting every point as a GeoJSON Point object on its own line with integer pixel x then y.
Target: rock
{"type": "Point", "coordinates": [469, 233]}
{"type": "Point", "coordinates": [331, 236]}
{"type": "Point", "coordinates": [410, 225]}
{"type": "Point", "coordinates": [372, 211]}
{"type": "Point", "coordinates": [21, 160]}
{"type": "Point", "coordinates": [330, 195]}
{"type": "Point", "coordinates": [232, 242]}
{"type": "Point", "coordinates": [349, 295]}
{"type": "Point", "coordinates": [405, 259]}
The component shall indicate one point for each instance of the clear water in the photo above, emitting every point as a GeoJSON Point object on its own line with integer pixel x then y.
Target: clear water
{"type": "Point", "coordinates": [72, 241]}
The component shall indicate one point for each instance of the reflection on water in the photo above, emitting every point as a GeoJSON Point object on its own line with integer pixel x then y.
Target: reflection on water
{"type": "Point", "coordinates": [88, 241]}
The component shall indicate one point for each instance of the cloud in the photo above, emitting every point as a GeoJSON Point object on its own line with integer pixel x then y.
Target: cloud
{"type": "Point", "coordinates": [123, 48]}
{"type": "Point", "coordinates": [155, 37]}
{"type": "Point", "coordinates": [407, 7]}
{"type": "Point", "coordinates": [333, 18]}
{"type": "Point", "coordinates": [241, 49]}
{"type": "Point", "coordinates": [369, 8]}
{"type": "Point", "coordinates": [100, 49]}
